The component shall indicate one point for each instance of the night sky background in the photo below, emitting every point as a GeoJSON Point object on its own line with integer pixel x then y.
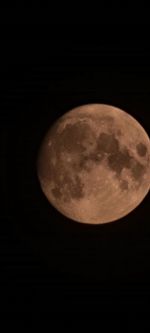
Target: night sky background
{"type": "Point", "coordinates": [48, 261]}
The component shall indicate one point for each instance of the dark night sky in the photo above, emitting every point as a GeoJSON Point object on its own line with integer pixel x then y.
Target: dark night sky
{"type": "Point", "coordinates": [47, 259]}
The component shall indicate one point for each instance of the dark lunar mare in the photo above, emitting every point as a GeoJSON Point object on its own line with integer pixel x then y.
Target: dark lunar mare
{"type": "Point", "coordinates": [118, 158]}
{"type": "Point", "coordinates": [141, 149]}
{"type": "Point", "coordinates": [68, 182]}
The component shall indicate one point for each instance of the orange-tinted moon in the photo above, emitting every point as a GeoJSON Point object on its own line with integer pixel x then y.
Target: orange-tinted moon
{"type": "Point", "coordinates": [94, 164]}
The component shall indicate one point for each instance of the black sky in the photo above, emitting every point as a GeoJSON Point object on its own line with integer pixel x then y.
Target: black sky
{"type": "Point", "coordinates": [46, 258]}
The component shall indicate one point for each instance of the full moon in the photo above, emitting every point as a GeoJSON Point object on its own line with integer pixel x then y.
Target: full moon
{"type": "Point", "coordinates": [94, 164]}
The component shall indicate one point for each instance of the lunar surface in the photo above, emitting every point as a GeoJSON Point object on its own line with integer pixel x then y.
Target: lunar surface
{"type": "Point", "coordinates": [94, 164]}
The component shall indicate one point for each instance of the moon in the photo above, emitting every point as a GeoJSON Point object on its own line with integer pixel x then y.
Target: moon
{"type": "Point", "coordinates": [94, 164]}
